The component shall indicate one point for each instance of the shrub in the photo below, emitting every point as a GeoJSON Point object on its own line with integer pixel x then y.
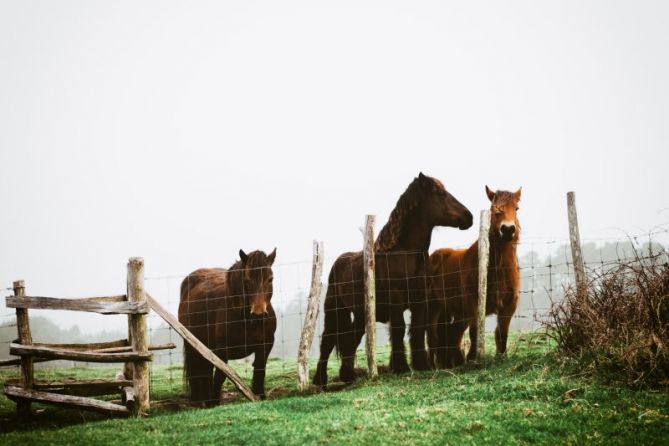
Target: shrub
{"type": "Point", "coordinates": [618, 326]}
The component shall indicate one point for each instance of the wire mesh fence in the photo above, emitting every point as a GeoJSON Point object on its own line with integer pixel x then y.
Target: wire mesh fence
{"type": "Point", "coordinates": [544, 267]}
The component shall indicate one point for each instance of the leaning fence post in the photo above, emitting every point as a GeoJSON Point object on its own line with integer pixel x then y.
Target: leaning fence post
{"type": "Point", "coordinates": [575, 239]}
{"type": "Point", "coordinates": [138, 334]}
{"type": "Point", "coordinates": [370, 296]}
{"type": "Point", "coordinates": [310, 318]}
{"type": "Point", "coordinates": [25, 338]}
{"type": "Point", "coordinates": [484, 253]}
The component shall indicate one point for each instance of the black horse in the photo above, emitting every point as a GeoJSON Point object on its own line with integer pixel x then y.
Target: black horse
{"type": "Point", "coordinates": [402, 280]}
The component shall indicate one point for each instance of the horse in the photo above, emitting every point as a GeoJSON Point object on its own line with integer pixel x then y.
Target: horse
{"type": "Point", "coordinates": [400, 276]}
{"type": "Point", "coordinates": [230, 311]}
{"type": "Point", "coordinates": [453, 305]}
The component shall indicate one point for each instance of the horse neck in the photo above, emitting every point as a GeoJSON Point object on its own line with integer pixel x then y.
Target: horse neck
{"type": "Point", "coordinates": [502, 253]}
{"type": "Point", "coordinates": [234, 287]}
{"type": "Point", "coordinates": [416, 234]}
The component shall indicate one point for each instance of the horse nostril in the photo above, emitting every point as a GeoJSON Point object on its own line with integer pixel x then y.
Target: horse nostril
{"type": "Point", "coordinates": [510, 229]}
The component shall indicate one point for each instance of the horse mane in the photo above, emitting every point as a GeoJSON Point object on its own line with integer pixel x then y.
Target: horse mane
{"type": "Point", "coordinates": [503, 197]}
{"type": "Point", "coordinates": [234, 282]}
{"type": "Point", "coordinates": [408, 201]}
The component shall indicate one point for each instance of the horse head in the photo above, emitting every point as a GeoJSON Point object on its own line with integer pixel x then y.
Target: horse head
{"type": "Point", "coordinates": [257, 277]}
{"type": "Point", "coordinates": [504, 225]}
{"type": "Point", "coordinates": [440, 208]}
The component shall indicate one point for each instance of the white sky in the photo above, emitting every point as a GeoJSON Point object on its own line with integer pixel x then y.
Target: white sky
{"type": "Point", "coordinates": [183, 131]}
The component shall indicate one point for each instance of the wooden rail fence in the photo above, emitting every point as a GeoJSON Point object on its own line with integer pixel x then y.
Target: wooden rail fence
{"type": "Point", "coordinates": [133, 387]}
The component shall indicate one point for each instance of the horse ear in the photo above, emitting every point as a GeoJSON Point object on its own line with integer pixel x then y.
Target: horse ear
{"type": "Point", "coordinates": [489, 193]}
{"type": "Point", "coordinates": [272, 256]}
{"type": "Point", "coordinates": [243, 256]}
{"type": "Point", "coordinates": [516, 194]}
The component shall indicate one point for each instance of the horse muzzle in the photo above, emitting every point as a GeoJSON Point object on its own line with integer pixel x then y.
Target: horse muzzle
{"type": "Point", "coordinates": [259, 306]}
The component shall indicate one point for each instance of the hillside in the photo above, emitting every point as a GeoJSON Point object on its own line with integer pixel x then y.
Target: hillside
{"type": "Point", "coordinates": [522, 399]}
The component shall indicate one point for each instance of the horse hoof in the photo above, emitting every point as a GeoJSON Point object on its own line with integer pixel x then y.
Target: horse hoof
{"type": "Point", "coordinates": [401, 368]}
{"type": "Point", "coordinates": [347, 375]}
{"type": "Point", "coordinates": [320, 377]}
{"type": "Point", "coordinates": [320, 381]}
{"type": "Point", "coordinates": [421, 364]}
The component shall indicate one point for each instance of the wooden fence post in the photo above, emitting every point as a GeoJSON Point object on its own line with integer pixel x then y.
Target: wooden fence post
{"type": "Point", "coordinates": [370, 296]}
{"type": "Point", "coordinates": [138, 335]}
{"type": "Point", "coordinates": [484, 253]}
{"type": "Point", "coordinates": [25, 338]}
{"type": "Point", "coordinates": [310, 318]}
{"type": "Point", "coordinates": [575, 239]}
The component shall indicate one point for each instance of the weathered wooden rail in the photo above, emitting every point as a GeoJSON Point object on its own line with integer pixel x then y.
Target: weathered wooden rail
{"type": "Point", "coordinates": [132, 386]}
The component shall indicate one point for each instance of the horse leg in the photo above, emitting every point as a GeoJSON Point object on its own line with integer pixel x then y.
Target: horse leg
{"type": "Point", "coordinates": [346, 344]}
{"type": "Point", "coordinates": [328, 342]}
{"type": "Point", "coordinates": [398, 356]}
{"type": "Point", "coordinates": [359, 325]}
{"type": "Point", "coordinates": [454, 333]}
{"type": "Point", "coordinates": [473, 338]}
{"type": "Point", "coordinates": [502, 331]}
{"type": "Point", "coordinates": [417, 332]}
{"type": "Point", "coordinates": [259, 369]}
{"type": "Point", "coordinates": [433, 340]}
{"type": "Point", "coordinates": [441, 349]}
{"type": "Point", "coordinates": [219, 379]}
{"type": "Point", "coordinates": [199, 373]}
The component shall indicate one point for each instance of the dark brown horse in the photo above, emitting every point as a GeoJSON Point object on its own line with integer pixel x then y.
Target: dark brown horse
{"type": "Point", "coordinates": [401, 280]}
{"type": "Point", "coordinates": [453, 303]}
{"type": "Point", "coordinates": [231, 313]}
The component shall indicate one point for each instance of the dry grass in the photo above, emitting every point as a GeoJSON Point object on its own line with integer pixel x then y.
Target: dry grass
{"type": "Point", "coordinates": [618, 328]}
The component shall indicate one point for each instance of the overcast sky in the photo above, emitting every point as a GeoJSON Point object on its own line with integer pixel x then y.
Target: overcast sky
{"type": "Point", "coordinates": [183, 131]}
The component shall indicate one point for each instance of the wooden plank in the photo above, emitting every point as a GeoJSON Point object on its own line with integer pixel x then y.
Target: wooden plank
{"type": "Point", "coordinates": [77, 402]}
{"type": "Point", "coordinates": [201, 348]}
{"type": "Point", "coordinates": [127, 394]}
{"type": "Point", "coordinates": [27, 367]}
{"type": "Point", "coordinates": [93, 306]}
{"type": "Point", "coordinates": [575, 239]}
{"type": "Point", "coordinates": [99, 347]}
{"type": "Point", "coordinates": [483, 254]}
{"type": "Point", "coordinates": [94, 346]}
{"type": "Point", "coordinates": [117, 298]}
{"type": "Point", "coordinates": [167, 346]}
{"type": "Point", "coordinates": [309, 327]}
{"type": "Point", "coordinates": [138, 335]}
{"type": "Point", "coordinates": [78, 387]}
{"type": "Point", "coordinates": [76, 355]}
{"type": "Point", "coordinates": [370, 297]}
{"type": "Point", "coordinates": [17, 361]}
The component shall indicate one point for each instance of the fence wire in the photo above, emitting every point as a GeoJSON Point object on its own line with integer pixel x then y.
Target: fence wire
{"type": "Point", "coordinates": [544, 266]}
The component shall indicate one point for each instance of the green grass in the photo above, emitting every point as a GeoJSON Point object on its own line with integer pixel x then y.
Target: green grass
{"type": "Point", "coordinates": [522, 399]}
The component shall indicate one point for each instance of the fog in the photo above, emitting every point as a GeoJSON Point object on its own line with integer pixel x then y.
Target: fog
{"type": "Point", "coordinates": [182, 132]}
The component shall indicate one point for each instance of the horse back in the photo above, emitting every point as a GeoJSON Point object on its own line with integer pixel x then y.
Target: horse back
{"type": "Point", "coordinates": [200, 295]}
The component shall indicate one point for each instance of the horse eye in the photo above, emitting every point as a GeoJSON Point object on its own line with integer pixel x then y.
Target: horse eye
{"type": "Point", "coordinates": [517, 208]}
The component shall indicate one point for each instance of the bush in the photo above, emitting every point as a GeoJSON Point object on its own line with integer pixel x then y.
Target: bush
{"type": "Point", "coordinates": [618, 327]}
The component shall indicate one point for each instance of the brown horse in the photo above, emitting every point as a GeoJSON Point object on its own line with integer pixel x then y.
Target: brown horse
{"type": "Point", "coordinates": [453, 305]}
{"type": "Point", "coordinates": [231, 313]}
{"type": "Point", "coordinates": [401, 280]}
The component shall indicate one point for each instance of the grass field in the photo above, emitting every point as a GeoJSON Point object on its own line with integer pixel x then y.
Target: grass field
{"type": "Point", "coordinates": [525, 398]}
